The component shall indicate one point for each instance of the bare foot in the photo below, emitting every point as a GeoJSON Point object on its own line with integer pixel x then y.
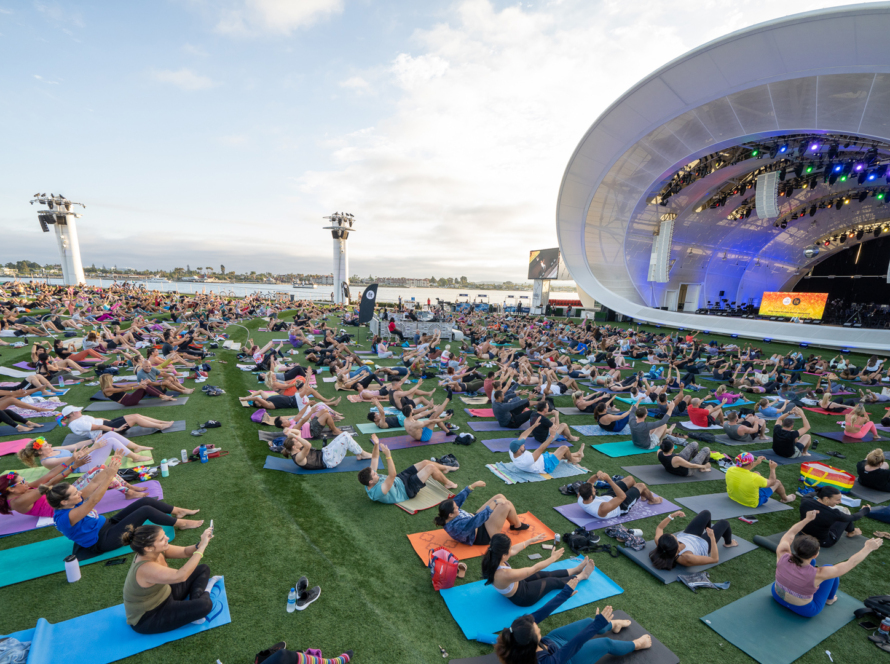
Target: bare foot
{"type": "Point", "coordinates": [855, 532]}
{"type": "Point", "coordinates": [831, 601]}
{"type": "Point", "coordinates": [364, 455]}
{"type": "Point", "coordinates": [731, 544]}
{"type": "Point", "coordinates": [166, 425]}
{"type": "Point", "coordinates": [139, 448]}
{"type": "Point", "coordinates": [335, 402]}
{"type": "Point", "coordinates": [134, 494]}
{"type": "Point", "coordinates": [655, 500]}
{"type": "Point", "coordinates": [618, 625]}
{"type": "Point", "coordinates": [643, 642]}
{"type": "Point", "coordinates": [450, 485]}
{"type": "Point", "coordinates": [790, 499]}
{"type": "Point", "coordinates": [577, 570]}
{"type": "Point", "coordinates": [187, 524]}
{"type": "Point", "coordinates": [180, 512]}
{"type": "Point", "coordinates": [188, 390]}
{"type": "Point", "coordinates": [141, 458]}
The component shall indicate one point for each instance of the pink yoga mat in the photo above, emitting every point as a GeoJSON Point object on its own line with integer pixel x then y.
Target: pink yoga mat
{"type": "Point", "coordinates": [13, 446]}
{"type": "Point", "coordinates": [480, 412]}
{"type": "Point", "coordinates": [111, 502]}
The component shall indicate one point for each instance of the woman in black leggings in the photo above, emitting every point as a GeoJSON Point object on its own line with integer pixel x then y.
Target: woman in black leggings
{"type": "Point", "coordinates": [526, 586]}
{"type": "Point", "coordinates": [13, 419]}
{"type": "Point", "coordinates": [829, 525]}
{"type": "Point", "coordinates": [696, 545]}
{"type": "Point", "coordinates": [94, 534]}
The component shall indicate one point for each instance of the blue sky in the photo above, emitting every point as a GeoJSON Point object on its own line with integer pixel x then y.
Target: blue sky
{"type": "Point", "coordinates": [221, 132]}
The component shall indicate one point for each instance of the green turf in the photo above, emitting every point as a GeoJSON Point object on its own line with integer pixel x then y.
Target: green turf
{"type": "Point", "coordinates": [377, 597]}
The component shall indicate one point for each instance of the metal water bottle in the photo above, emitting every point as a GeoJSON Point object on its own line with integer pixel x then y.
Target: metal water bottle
{"type": "Point", "coordinates": [165, 470]}
{"type": "Point", "coordinates": [202, 452]}
{"type": "Point", "coordinates": [72, 568]}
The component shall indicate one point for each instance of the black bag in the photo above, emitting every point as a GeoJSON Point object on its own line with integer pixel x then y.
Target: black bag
{"type": "Point", "coordinates": [877, 604]}
{"type": "Point", "coordinates": [449, 460]}
{"type": "Point", "coordinates": [570, 489]}
{"type": "Point", "coordinates": [580, 540]}
{"type": "Point", "coordinates": [703, 436]}
{"type": "Point", "coordinates": [464, 439]}
{"type": "Point", "coordinates": [130, 475]}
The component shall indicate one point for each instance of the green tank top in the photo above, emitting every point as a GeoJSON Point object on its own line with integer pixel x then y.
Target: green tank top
{"type": "Point", "coordinates": [138, 600]}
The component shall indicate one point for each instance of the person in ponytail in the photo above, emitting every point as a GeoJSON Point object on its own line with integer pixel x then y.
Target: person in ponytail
{"type": "Point", "coordinates": [830, 524]}
{"type": "Point", "coordinates": [16, 495]}
{"type": "Point", "coordinates": [476, 529]}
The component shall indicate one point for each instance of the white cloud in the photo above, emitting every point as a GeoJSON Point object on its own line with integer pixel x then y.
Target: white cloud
{"type": "Point", "coordinates": [55, 12]}
{"type": "Point", "coordinates": [6, 11]}
{"type": "Point", "coordinates": [356, 84]}
{"type": "Point", "coordinates": [248, 17]}
{"type": "Point", "coordinates": [234, 140]}
{"type": "Point", "coordinates": [184, 79]}
{"type": "Point", "coordinates": [191, 49]}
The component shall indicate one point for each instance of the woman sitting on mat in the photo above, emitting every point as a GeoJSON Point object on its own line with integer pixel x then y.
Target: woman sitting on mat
{"type": "Point", "coordinates": [829, 524]}
{"type": "Point", "coordinates": [612, 422]}
{"type": "Point", "coordinates": [467, 528]}
{"type": "Point", "coordinates": [874, 471]}
{"type": "Point", "coordinates": [588, 404]}
{"type": "Point", "coordinates": [158, 598]}
{"type": "Point", "coordinates": [858, 425]}
{"type": "Point", "coordinates": [130, 395]}
{"type": "Point", "coordinates": [13, 419]}
{"type": "Point", "coordinates": [16, 495]}
{"type": "Point", "coordinates": [307, 457]}
{"type": "Point", "coordinates": [70, 353]}
{"type": "Point", "coordinates": [696, 545]}
{"type": "Point", "coordinates": [528, 585]}
{"type": "Point", "coordinates": [523, 643]}
{"type": "Point", "coordinates": [802, 587]}
{"type": "Point", "coordinates": [94, 534]}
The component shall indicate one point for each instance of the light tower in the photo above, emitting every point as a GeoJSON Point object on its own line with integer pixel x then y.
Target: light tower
{"type": "Point", "coordinates": [60, 215]}
{"type": "Point", "coordinates": [341, 227]}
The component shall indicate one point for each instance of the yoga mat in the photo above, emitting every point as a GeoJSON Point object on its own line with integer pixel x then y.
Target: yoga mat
{"type": "Point", "coordinates": [822, 411]}
{"type": "Point", "coordinates": [479, 609]}
{"type": "Point", "coordinates": [841, 551]}
{"type": "Point", "coordinates": [12, 431]}
{"type": "Point", "coordinates": [494, 426]}
{"type": "Point", "coordinates": [723, 439]}
{"type": "Point", "coordinates": [103, 637]}
{"type": "Point", "coordinates": [429, 496]}
{"type": "Point", "coordinates": [403, 442]}
{"type": "Point", "coordinates": [695, 427]}
{"type": "Point", "coordinates": [350, 464]}
{"type": "Point", "coordinates": [474, 401]}
{"type": "Point", "coordinates": [722, 506]}
{"type": "Point", "coordinates": [479, 412]}
{"type": "Point", "coordinates": [841, 438]}
{"type": "Point", "coordinates": [110, 502]}
{"type": "Point", "coordinates": [572, 411]}
{"type": "Point", "coordinates": [574, 513]}
{"type": "Point", "coordinates": [871, 495]}
{"type": "Point", "coordinates": [656, 474]}
{"type": "Point", "coordinates": [13, 446]}
{"type": "Point", "coordinates": [54, 394]}
{"type": "Point", "coordinates": [503, 444]}
{"type": "Point", "coordinates": [424, 542]}
{"type": "Point", "coordinates": [785, 461]}
{"type": "Point", "coordinates": [510, 474]}
{"type": "Point", "coordinates": [132, 432]}
{"type": "Point", "coordinates": [32, 474]}
{"type": "Point", "coordinates": [145, 403]}
{"type": "Point", "coordinates": [772, 634]}
{"type": "Point", "coordinates": [32, 561]}
{"type": "Point", "coordinates": [734, 404]}
{"type": "Point", "coordinates": [595, 430]}
{"type": "Point", "coordinates": [666, 576]}
{"type": "Point", "coordinates": [370, 427]}
{"type": "Point", "coordinates": [622, 449]}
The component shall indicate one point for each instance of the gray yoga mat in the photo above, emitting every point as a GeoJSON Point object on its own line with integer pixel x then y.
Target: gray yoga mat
{"type": "Point", "coordinates": [722, 506]}
{"type": "Point", "coordinates": [841, 551]}
{"type": "Point", "coordinates": [571, 410]}
{"type": "Point", "coordinates": [145, 403]}
{"type": "Point", "coordinates": [871, 495]}
{"type": "Point", "coordinates": [132, 432]}
{"type": "Point", "coordinates": [494, 426]}
{"type": "Point", "coordinates": [656, 474]}
{"type": "Point", "coordinates": [785, 461]}
{"type": "Point", "coordinates": [666, 576]}
{"type": "Point", "coordinates": [771, 634]}
{"type": "Point", "coordinates": [723, 439]}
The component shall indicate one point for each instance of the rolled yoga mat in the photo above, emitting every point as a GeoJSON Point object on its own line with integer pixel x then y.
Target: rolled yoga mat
{"type": "Point", "coordinates": [722, 506]}
{"type": "Point", "coordinates": [642, 510]}
{"type": "Point", "coordinates": [832, 555]}
{"type": "Point", "coordinates": [655, 474]}
{"type": "Point", "coordinates": [666, 576]}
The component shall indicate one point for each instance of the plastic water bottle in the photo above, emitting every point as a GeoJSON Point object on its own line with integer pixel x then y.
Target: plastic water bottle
{"type": "Point", "coordinates": [556, 538]}
{"type": "Point", "coordinates": [884, 628]}
{"type": "Point", "coordinates": [185, 456]}
{"type": "Point", "coordinates": [202, 452]}
{"type": "Point", "coordinates": [165, 470]}
{"type": "Point", "coordinates": [61, 382]}
{"type": "Point", "coordinates": [292, 600]}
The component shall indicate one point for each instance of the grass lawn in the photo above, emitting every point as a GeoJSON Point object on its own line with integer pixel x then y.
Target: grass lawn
{"type": "Point", "coordinates": [273, 527]}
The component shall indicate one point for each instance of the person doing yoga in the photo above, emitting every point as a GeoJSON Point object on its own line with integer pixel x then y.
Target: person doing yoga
{"type": "Point", "coordinates": [86, 426]}
{"type": "Point", "coordinates": [523, 643]}
{"type": "Point", "coordinates": [307, 457]}
{"type": "Point", "coordinates": [830, 523]}
{"type": "Point", "coordinates": [157, 597]}
{"type": "Point", "coordinates": [618, 499]}
{"type": "Point", "coordinates": [696, 545]}
{"type": "Point", "coordinates": [802, 587]}
{"type": "Point", "coordinates": [857, 424]}
{"type": "Point", "coordinates": [540, 460]}
{"type": "Point", "coordinates": [398, 487]}
{"type": "Point", "coordinates": [480, 528]}
{"type": "Point", "coordinates": [682, 464]}
{"type": "Point", "coordinates": [129, 395]}
{"type": "Point", "coordinates": [874, 471]}
{"type": "Point", "coordinates": [789, 442]}
{"type": "Point", "coordinates": [17, 495]}
{"type": "Point", "coordinates": [94, 534]}
{"type": "Point", "coordinates": [751, 489]}
{"type": "Point", "coordinates": [528, 585]}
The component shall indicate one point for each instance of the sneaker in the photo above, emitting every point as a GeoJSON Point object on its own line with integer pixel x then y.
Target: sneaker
{"type": "Point", "coordinates": [200, 380]}
{"type": "Point", "coordinates": [302, 586]}
{"type": "Point", "coordinates": [306, 598]}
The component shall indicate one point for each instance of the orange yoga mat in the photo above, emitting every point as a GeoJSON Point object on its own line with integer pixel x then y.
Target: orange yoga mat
{"type": "Point", "coordinates": [423, 543]}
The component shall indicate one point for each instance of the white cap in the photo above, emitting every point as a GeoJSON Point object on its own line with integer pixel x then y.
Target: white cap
{"type": "Point", "coordinates": [67, 410]}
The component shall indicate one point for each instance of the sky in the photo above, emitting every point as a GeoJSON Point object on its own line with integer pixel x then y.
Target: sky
{"type": "Point", "coordinates": [221, 132]}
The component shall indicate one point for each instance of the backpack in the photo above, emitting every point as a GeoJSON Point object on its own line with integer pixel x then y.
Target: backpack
{"type": "Point", "coordinates": [877, 604]}
{"type": "Point", "coordinates": [570, 489]}
{"type": "Point", "coordinates": [580, 540]}
{"type": "Point", "coordinates": [443, 568]}
{"type": "Point", "coordinates": [258, 415]}
{"type": "Point", "coordinates": [464, 439]}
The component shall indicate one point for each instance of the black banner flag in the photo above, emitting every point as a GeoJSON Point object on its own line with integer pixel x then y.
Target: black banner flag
{"type": "Point", "coordinates": [369, 301]}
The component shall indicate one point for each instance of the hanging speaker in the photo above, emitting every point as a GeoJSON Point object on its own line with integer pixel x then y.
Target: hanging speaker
{"type": "Point", "coordinates": [659, 259]}
{"type": "Point", "coordinates": [767, 200]}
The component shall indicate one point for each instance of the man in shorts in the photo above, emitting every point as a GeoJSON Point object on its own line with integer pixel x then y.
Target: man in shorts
{"type": "Point", "coordinates": [702, 415]}
{"type": "Point", "coordinates": [751, 489]}
{"type": "Point", "coordinates": [648, 435]}
{"type": "Point", "coordinates": [541, 461]}
{"type": "Point", "coordinates": [618, 499]}
{"type": "Point", "coordinates": [744, 429]}
{"type": "Point", "coordinates": [399, 487]}
{"type": "Point", "coordinates": [789, 442]}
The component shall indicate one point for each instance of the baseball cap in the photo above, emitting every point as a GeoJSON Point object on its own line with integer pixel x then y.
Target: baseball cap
{"type": "Point", "coordinates": [67, 410]}
{"type": "Point", "coordinates": [515, 445]}
{"type": "Point", "coordinates": [744, 459]}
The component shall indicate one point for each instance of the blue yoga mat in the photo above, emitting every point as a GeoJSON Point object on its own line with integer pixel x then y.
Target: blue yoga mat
{"type": "Point", "coordinates": [12, 431]}
{"type": "Point", "coordinates": [479, 609]}
{"type": "Point", "coordinates": [103, 637]}
{"type": "Point", "coordinates": [622, 449]}
{"type": "Point", "coordinates": [503, 444]}
{"type": "Point", "coordinates": [32, 561]}
{"type": "Point", "coordinates": [493, 426]}
{"type": "Point", "coordinates": [349, 465]}
{"type": "Point", "coordinates": [740, 402]}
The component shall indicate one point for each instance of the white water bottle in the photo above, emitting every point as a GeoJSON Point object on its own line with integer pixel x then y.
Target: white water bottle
{"type": "Point", "coordinates": [165, 470]}
{"type": "Point", "coordinates": [72, 568]}
{"type": "Point", "coordinates": [185, 456]}
{"type": "Point", "coordinates": [292, 600]}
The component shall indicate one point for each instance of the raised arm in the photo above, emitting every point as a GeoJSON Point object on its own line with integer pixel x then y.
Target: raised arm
{"type": "Point", "coordinates": [543, 446]}
{"type": "Point", "coordinates": [390, 469]}
{"type": "Point", "coordinates": [100, 483]}
{"type": "Point", "coordinates": [161, 574]}
{"type": "Point", "coordinates": [785, 543]}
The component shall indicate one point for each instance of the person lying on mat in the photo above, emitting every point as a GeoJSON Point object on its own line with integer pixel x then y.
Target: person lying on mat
{"type": "Point", "coordinates": [528, 585]}
{"type": "Point", "coordinates": [766, 409]}
{"type": "Point", "coordinates": [480, 528]}
{"type": "Point", "coordinates": [858, 425]}
{"type": "Point", "coordinates": [423, 430]}
{"type": "Point", "coordinates": [751, 489]}
{"type": "Point", "coordinates": [523, 643]}
{"type": "Point", "coordinates": [587, 404]}
{"type": "Point", "coordinates": [157, 597]}
{"type": "Point", "coordinates": [129, 395]}
{"type": "Point", "coordinates": [874, 471]}
{"type": "Point", "coordinates": [696, 545]}
{"type": "Point", "coordinates": [94, 534]}
{"type": "Point", "coordinates": [747, 428]}
{"type": "Point", "coordinates": [618, 499]}
{"type": "Point", "coordinates": [398, 487]}
{"type": "Point", "coordinates": [307, 457]}
{"type": "Point", "coordinates": [682, 464]}
{"type": "Point", "coordinates": [16, 495]}
{"type": "Point", "coordinates": [800, 585]}
{"type": "Point", "coordinates": [85, 425]}
{"type": "Point", "coordinates": [829, 523]}
{"type": "Point", "coordinates": [542, 461]}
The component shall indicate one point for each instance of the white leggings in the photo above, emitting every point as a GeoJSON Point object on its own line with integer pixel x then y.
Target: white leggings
{"type": "Point", "coordinates": [113, 442]}
{"type": "Point", "coordinates": [336, 450]}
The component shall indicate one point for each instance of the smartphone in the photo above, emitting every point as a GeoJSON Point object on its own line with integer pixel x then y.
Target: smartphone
{"type": "Point", "coordinates": [549, 547]}
{"type": "Point", "coordinates": [211, 525]}
{"type": "Point", "coordinates": [534, 556]}
{"type": "Point", "coordinates": [867, 625]}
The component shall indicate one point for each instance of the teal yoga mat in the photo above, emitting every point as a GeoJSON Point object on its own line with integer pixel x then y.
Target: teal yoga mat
{"type": "Point", "coordinates": [622, 449]}
{"type": "Point", "coordinates": [32, 561]}
{"type": "Point", "coordinates": [479, 609]}
{"type": "Point", "coordinates": [370, 427]}
{"type": "Point", "coordinates": [103, 637]}
{"type": "Point", "coordinates": [770, 633]}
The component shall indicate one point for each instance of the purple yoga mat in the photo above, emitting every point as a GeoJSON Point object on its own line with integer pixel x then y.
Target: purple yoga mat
{"type": "Point", "coordinates": [503, 444]}
{"type": "Point", "coordinates": [362, 352]}
{"type": "Point", "coordinates": [403, 442]}
{"type": "Point", "coordinates": [841, 438]}
{"type": "Point", "coordinates": [641, 510]}
{"type": "Point", "coordinates": [493, 426]}
{"type": "Point", "coordinates": [111, 502]}
{"type": "Point", "coordinates": [25, 365]}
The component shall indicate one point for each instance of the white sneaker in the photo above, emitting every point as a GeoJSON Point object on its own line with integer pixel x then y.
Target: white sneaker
{"type": "Point", "coordinates": [200, 380]}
